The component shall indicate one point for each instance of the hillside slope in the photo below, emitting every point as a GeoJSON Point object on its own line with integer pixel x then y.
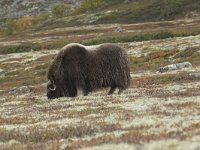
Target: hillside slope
{"type": "Point", "coordinates": [118, 11]}
{"type": "Point", "coordinates": [151, 10]}
{"type": "Point", "coordinates": [123, 11]}
{"type": "Point", "coordinates": [18, 8]}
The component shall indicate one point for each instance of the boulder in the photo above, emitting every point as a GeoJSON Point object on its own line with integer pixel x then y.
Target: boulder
{"type": "Point", "coordinates": [119, 29]}
{"type": "Point", "coordinates": [175, 66]}
{"type": "Point", "coordinates": [20, 90]}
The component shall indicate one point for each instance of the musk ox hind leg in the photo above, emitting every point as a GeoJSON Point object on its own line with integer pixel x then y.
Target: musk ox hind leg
{"type": "Point", "coordinates": [112, 89]}
{"type": "Point", "coordinates": [83, 87]}
{"type": "Point", "coordinates": [121, 89]}
{"type": "Point", "coordinates": [85, 91]}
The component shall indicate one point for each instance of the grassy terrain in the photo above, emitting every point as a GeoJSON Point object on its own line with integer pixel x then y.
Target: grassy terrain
{"type": "Point", "coordinates": [157, 111]}
{"type": "Point", "coordinates": [147, 58]}
{"type": "Point", "coordinates": [96, 34]}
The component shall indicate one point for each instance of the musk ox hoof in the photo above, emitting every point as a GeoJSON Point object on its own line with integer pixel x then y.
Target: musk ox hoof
{"type": "Point", "coordinates": [121, 90]}
{"type": "Point", "coordinates": [112, 89]}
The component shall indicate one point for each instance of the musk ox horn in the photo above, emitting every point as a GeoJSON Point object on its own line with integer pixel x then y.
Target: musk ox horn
{"type": "Point", "coordinates": [54, 86]}
{"type": "Point", "coordinates": [49, 82]}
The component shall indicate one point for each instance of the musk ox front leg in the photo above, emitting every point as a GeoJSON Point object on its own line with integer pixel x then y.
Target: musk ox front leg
{"type": "Point", "coordinates": [71, 88]}
{"type": "Point", "coordinates": [73, 92]}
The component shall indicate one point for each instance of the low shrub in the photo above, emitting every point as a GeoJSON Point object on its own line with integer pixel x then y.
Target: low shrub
{"type": "Point", "coordinates": [25, 47]}
{"type": "Point", "coordinates": [139, 37]}
{"type": "Point", "coordinates": [90, 5]}
{"type": "Point", "coordinates": [59, 10]}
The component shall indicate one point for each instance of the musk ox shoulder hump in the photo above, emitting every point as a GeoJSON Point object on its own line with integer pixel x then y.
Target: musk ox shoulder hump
{"type": "Point", "coordinates": [104, 46]}
{"type": "Point", "coordinates": [72, 45]}
{"type": "Point", "coordinates": [88, 48]}
{"type": "Point", "coordinates": [72, 51]}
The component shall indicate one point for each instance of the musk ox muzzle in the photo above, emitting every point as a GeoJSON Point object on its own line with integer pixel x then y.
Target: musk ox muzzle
{"type": "Point", "coordinates": [88, 68]}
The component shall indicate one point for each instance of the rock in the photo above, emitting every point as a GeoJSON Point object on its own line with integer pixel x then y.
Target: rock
{"type": "Point", "coordinates": [20, 90]}
{"type": "Point", "coordinates": [119, 29]}
{"type": "Point", "coordinates": [175, 66]}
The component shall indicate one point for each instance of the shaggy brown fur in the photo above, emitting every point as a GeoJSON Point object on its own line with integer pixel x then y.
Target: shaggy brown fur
{"type": "Point", "coordinates": [87, 68]}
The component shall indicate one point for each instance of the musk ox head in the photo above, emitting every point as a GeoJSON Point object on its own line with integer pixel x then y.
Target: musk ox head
{"type": "Point", "coordinates": [53, 89]}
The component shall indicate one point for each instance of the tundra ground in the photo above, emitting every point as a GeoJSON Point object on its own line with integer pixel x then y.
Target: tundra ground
{"type": "Point", "coordinates": [157, 111]}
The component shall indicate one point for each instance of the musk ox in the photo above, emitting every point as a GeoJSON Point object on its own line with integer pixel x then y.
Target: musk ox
{"type": "Point", "coordinates": [87, 68]}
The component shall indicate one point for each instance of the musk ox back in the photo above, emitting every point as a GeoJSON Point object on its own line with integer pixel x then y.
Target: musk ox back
{"type": "Point", "coordinates": [87, 68]}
